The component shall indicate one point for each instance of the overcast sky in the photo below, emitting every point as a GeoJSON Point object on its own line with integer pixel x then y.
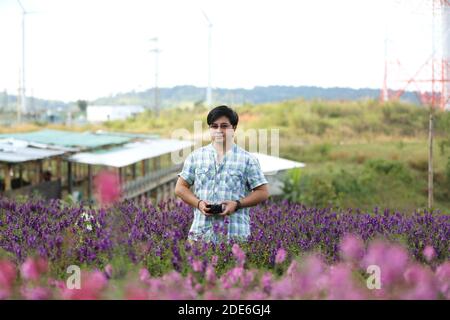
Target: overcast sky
{"type": "Point", "coordinates": [86, 49]}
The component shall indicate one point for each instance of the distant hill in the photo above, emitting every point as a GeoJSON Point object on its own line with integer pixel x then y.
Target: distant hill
{"type": "Point", "coordinates": [180, 95]}
{"type": "Point", "coordinates": [191, 94]}
{"type": "Point", "coordinates": [8, 103]}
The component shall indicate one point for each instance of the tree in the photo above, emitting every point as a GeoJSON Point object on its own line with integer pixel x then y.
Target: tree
{"type": "Point", "coordinates": [82, 105]}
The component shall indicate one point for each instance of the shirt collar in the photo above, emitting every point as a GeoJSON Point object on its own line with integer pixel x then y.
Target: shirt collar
{"type": "Point", "coordinates": [232, 149]}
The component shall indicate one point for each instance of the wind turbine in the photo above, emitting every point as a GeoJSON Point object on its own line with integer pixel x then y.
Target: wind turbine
{"type": "Point", "coordinates": [156, 51]}
{"type": "Point", "coordinates": [209, 90]}
{"type": "Point", "coordinates": [22, 91]}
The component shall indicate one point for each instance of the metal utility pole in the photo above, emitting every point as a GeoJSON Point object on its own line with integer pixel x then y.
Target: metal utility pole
{"type": "Point", "coordinates": [19, 102]}
{"type": "Point", "coordinates": [209, 90]}
{"type": "Point", "coordinates": [431, 114]}
{"type": "Point", "coordinates": [156, 51]}
{"type": "Point", "coordinates": [22, 87]}
{"type": "Point", "coordinates": [5, 100]}
{"type": "Point", "coordinates": [384, 97]}
{"type": "Point", "coordinates": [430, 155]}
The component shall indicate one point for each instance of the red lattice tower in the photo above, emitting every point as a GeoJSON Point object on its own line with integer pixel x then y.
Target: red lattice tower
{"type": "Point", "coordinates": [429, 80]}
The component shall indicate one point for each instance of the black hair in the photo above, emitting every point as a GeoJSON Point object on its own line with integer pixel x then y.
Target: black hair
{"type": "Point", "coordinates": [221, 111]}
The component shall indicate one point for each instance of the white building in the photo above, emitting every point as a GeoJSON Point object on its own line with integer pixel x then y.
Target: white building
{"type": "Point", "coordinates": [107, 113]}
{"type": "Point", "coordinates": [275, 169]}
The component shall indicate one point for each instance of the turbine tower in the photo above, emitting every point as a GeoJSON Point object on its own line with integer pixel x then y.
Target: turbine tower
{"type": "Point", "coordinates": [445, 35]}
{"type": "Point", "coordinates": [23, 108]}
{"type": "Point", "coordinates": [156, 51]}
{"type": "Point", "coordinates": [209, 90]}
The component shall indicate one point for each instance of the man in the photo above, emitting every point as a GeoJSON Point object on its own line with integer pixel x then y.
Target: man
{"type": "Point", "coordinates": [221, 173]}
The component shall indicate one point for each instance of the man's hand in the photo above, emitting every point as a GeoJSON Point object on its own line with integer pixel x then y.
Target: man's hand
{"type": "Point", "coordinates": [230, 207]}
{"type": "Point", "coordinates": [182, 190]}
{"type": "Point", "coordinates": [203, 209]}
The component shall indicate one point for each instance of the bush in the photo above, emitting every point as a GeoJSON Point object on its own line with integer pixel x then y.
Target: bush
{"type": "Point", "coordinates": [391, 168]}
{"type": "Point", "coordinates": [376, 181]}
{"type": "Point", "coordinates": [442, 184]}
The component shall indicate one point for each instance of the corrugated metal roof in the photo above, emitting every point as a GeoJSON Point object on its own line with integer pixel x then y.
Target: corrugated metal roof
{"type": "Point", "coordinates": [128, 135]}
{"type": "Point", "coordinates": [80, 140]}
{"type": "Point", "coordinates": [131, 152]}
{"type": "Point", "coordinates": [126, 106]}
{"type": "Point", "coordinates": [13, 151]}
{"type": "Point", "coordinates": [271, 164]}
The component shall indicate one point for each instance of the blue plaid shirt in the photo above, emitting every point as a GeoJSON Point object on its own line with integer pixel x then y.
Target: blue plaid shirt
{"type": "Point", "coordinates": [233, 179]}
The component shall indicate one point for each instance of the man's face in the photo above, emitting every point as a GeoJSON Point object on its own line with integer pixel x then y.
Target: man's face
{"type": "Point", "coordinates": [221, 130]}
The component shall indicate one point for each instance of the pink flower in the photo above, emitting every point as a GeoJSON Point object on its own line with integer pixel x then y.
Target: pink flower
{"type": "Point", "coordinates": [341, 284]}
{"type": "Point", "coordinates": [198, 287]}
{"type": "Point", "coordinates": [42, 265]}
{"type": "Point", "coordinates": [232, 277]}
{"type": "Point", "coordinates": [429, 253]}
{"type": "Point", "coordinates": [340, 278]}
{"type": "Point", "coordinates": [210, 274]}
{"type": "Point", "coordinates": [352, 248]}
{"type": "Point", "coordinates": [234, 294]}
{"type": "Point", "coordinates": [391, 258]}
{"type": "Point", "coordinates": [307, 277]}
{"type": "Point", "coordinates": [37, 293]}
{"type": "Point", "coordinates": [56, 283]}
{"type": "Point", "coordinates": [282, 289]}
{"type": "Point", "coordinates": [29, 270]}
{"type": "Point", "coordinates": [7, 278]}
{"type": "Point", "coordinates": [256, 295]}
{"type": "Point", "coordinates": [236, 274]}
{"type": "Point", "coordinates": [92, 286]}
{"type": "Point", "coordinates": [281, 256]}
{"type": "Point", "coordinates": [5, 293]}
{"type": "Point", "coordinates": [197, 266]}
{"type": "Point", "coordinates": [134, 292]}
{"type": "Point", "coordinates": [211, 296]}
{"type": "Point", "coordinates": [247, 278]}
{"type": "Point", "coordinates": [314, 266]}
{"type": "Point", "coordinates": [108, 271]}
{"type": "Point", "coordinates": [144, 275]}
{"type": "Point", "coordinates": [238, 254]}
{"type": "Point", "coordinates": [107, 186]}
{"type": "Point", "coordinates": [443, 279]}
{"type": "Point", "coordinates": [293, 268]}
{"type": "Point", "coordinates": [7, 274]}
{"type": "Point", "coordinates": [266, 282]}
{"type": "Point", "coordinates": [423, 286]}
{"type": "Point", "coordinates": [214, 260]}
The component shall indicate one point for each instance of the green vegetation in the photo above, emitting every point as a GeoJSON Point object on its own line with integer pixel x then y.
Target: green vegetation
{"type": "Point", "coordinates": [357, 153]}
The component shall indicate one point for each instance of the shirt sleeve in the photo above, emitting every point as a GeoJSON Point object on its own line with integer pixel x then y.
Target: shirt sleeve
{"type": "Point", "coordinates": [255, 176]}
{"type": "Point", "coordinates": [188, 172]}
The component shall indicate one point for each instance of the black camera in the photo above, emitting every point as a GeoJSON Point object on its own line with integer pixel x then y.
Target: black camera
{"type": "Point", "coordinates": [215, 208]}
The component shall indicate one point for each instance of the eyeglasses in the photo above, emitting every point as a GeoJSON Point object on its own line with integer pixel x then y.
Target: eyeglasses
{"type": "Point", "coordinates": [222, 126]}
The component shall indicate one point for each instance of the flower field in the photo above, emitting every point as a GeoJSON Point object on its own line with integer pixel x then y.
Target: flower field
{"type": "Point", "coordinates": [139, 251]}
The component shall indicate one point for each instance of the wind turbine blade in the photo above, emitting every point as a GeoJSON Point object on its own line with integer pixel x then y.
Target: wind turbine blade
{"type": "Point", "coordinates": [20, 4]}
{"type": "Point", "coordinates": [206, 17]}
